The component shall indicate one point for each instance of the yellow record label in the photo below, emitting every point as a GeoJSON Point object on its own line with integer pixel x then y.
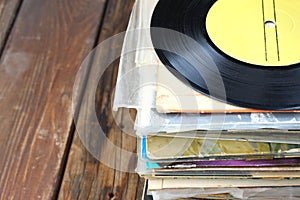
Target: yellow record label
{"type": "Point", "coordinates": [261, 32]}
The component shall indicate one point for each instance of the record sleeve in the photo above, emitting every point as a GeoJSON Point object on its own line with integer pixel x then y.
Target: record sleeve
{"type": "Point", "coordinates": [173, 96]}
{"type": "Point", "coordinates": [161, 148]}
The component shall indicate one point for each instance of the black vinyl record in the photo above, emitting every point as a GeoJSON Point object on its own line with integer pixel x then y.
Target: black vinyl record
{"type": "Point", "coordinates": [245, 84]}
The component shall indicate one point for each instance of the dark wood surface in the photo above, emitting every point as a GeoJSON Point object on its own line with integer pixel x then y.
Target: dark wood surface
{"type": "Point", "coordinates": [8, 13]}
{"type": "Point", "coordinates": [42, 45]}
{"type": "Point", "coordinates": [85, 177]}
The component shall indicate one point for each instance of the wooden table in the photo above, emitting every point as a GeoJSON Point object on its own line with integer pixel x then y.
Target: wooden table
{"type": "Point", "coordinates": [42, 44]}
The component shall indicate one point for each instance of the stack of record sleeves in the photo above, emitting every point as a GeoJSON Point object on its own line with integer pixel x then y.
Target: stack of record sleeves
{"type": "Point", "coordinates": [193, 144]}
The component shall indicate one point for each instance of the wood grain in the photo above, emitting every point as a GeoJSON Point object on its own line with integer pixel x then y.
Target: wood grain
{"type": "Point", "coordinates": [85, 177]}
{"type": "Point", "coordinates": [8, 12]}
{"type": "Point", "coordinates": [37, 71]}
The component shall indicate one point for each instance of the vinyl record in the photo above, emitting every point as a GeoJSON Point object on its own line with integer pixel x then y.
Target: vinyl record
{"type": "Point", "coordinates": [254, 45]}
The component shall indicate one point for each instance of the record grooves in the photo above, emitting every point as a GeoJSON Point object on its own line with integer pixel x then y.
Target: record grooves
{"type": "Point", "coordinates": [246, 85]}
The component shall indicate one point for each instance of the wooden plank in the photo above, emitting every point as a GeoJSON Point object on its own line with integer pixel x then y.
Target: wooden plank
{"type": "Point", "coordinates": [8, 12]}
{"type": "Point", "coordinates": [85, 177]}
{"type": "Point", "coordinates": [37, 71]}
